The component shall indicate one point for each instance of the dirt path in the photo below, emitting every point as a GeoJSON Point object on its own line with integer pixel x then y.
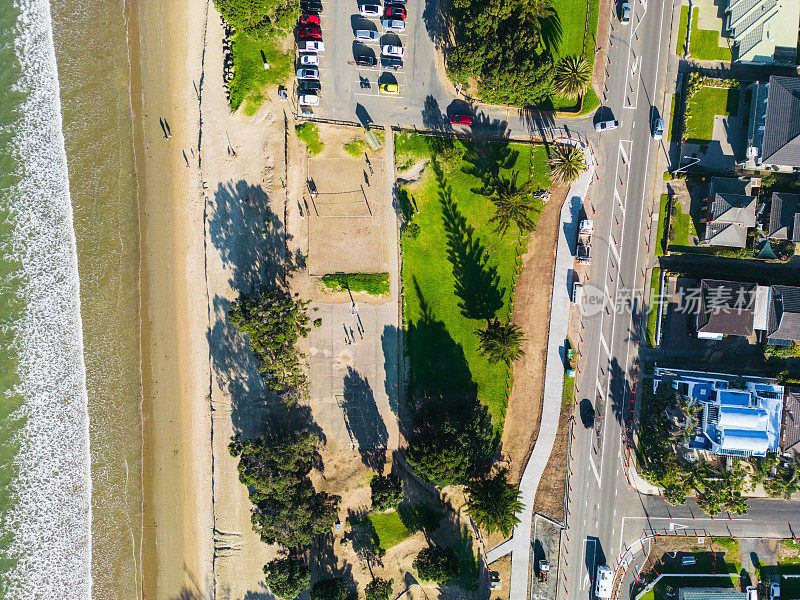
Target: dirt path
{"type": "Point", "coordinates": [531, 313]}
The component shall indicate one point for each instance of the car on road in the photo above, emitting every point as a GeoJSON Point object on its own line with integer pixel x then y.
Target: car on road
{"type": "Point", "coordinates": [309, 60]}
{"type": "Point", "coordinates": [390, 62]}
{"type": "Point", "coordinates": [308, 73]}
{"type": "Point", "coordinates": [396, 12]}
{"type": "Point", "coordinates": [370, 10]}
{"type": "Point", "coordinates": [310, 85]}
{"type": "Point", "coordinates": [389, 50]}
{"type": "Point", "coordinates": [309, 99]}
{"type": "Point", "coordinates": [311, 6]}
{"type": "Point", "coordinates": [586, 411]}
{"type": "Point", "coordinates": [367, 34]}
{"type": "Point", "coordinates": [606, 125]}
{"type": "Point", "coordinates": [577, 292]}
{"type": "Point", "coordinates": [460, 119]}
{"type": "Point", "coordinates": [314, 33]}
{"type": "Point", "coordinates": [658, 129]}
{"type": "Point", "coordinates": [625, 11]}
{"type": "Point", "coordinates": [311, 46]}
{"type": "Point", "coordinates": [604, 582]}
{"type": "Point", "coordinates": [394, 24]}
{"type": "Point", "coordinates": [774, 591]}
{"type": "Point", "coordinates": [366, 60]}
{"type": "Point", "coordinates": [310, 20]}
{"type": "Point", "coordinates": [390, 88]}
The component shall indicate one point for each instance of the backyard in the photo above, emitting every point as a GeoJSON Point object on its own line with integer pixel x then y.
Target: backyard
{"type": "Point", "coordinates": [457, 271]}
{"type": "Point", "coordinates": [703, 106]}
{"type": "Point", "coordinates": [703, 43]}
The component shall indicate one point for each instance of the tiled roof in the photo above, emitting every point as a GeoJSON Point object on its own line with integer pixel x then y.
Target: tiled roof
{"type": "Point", "coordinates": [790, 429]}
{"type": "Point", "coordinates": [784, 313]}
{"type": "Point", "coordinates": [781, 143]}
{"type": "Point", "coordinates": [726, 307]}
{"type": "Point", "coordinates": [783, 213]}
{"type": "Point", "coordinates": [730, 217]}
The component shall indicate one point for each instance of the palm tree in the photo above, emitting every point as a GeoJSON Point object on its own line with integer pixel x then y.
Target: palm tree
{"type": "Point", "coordinates": [512, 204]}
{"type": "Point", "coordinates": [567, 162]}
{"type": "Point", "coordinates": [493, 503]}
{"type": "Point", "coordinates": [500, 342]}
{"type": "Point", "coordinates": [572, 76]}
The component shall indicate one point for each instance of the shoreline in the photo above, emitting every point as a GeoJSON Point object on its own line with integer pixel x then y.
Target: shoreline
{"type": "Point", "coordinates": [166, 49]}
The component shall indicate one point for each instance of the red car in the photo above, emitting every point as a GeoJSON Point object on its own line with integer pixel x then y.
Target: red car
{"type": "Point", "coordinates": [461, 119]}
{"type": "Point", "coordinates": [314, 33]}
{"type": "Point", "coordinates": [310, 20]}
{"type": "Point", "coordinates": [396, 12]}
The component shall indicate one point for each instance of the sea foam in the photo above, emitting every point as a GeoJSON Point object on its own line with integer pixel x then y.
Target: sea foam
{"type": "Point", "coordinates": [49, 520]}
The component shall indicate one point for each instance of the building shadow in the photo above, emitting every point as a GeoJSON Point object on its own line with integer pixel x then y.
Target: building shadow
{"type": "Point", "coordinates": [363, 420]}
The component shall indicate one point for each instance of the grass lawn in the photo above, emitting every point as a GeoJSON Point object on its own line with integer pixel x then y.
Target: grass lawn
{"type": "Point", "coordinates": [704, 44]}
{"type": "Point", "coordinates": [376, 284]}
{"type": "Point", "coordinates": [680, 49]}
{"type": "Point", "coordinates": [389, 528]}
{"type": "Point", "coordinates": [670, 120]}
{"type": "Point", "coordinates": [683, 227]}
{"type": "Point", "coordinates": [309, 135]}
{"type": "Point", "coordinates": [458, 272]}
{"type": "Point", "coordinates": [661, 242]}
{"type": "Point", "coordinates": [409, 148]}
{"type": "Point", "coordinates": [704, 104]}
{"type": "Point", "coordinates": [568, 394]}
{"type": "Point", "coordinates": [355, 148]}
{"type": "Point", "coordinates": [249, 75]}
{"type": "Point", "coordinates": [652, 316]}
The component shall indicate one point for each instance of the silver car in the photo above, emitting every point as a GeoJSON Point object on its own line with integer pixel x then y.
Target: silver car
{"type": "Point", "coordinates": [658, 129]}
{"type": "Point", "coordinates": [370, 10]}
{"type": "Point", "coordinates": [606, 125]}
{"type": "Point", "coordinates": [394, 24]}
{"type": "Point", "coordinates": [308, 73]}
{"type": "Point", "coordinates": [367, 34]}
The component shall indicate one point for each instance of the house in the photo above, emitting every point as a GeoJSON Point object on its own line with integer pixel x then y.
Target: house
{"type": "Point", "coordinates": [725, 308]}
{"type": "Point", "coordinates": [783, 325]}
{"type": "Point", "coordinates": [790, 429]}
{"type": "Point", "coordinates": [784, 217]}
{"type": "Point", "coordinates": [696, 593]}
{"type": "Point", "coordinates": [773, 127]}
{"type": "Point", "coordinates": [763, 31]}
{"type": "Point", "coordinates": [727, 219]}
{"type": "Point", "coordinates": [740, 415]}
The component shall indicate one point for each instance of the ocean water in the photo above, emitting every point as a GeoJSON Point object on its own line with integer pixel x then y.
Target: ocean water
{"type": "Point", "coordinates": [45, 510]}
{"type": "Point", "coordinates": [70, 384]}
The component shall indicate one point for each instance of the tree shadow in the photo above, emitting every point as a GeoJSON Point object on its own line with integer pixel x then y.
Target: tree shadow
{"type": "Point", "coordinates": [324, 564]}
{"type": "Point", "coordinates": [485, 159]}
{"type": "Point", "coordinates": [391, 344]}
{"type": "Point", "coordinates": [477, 283]}
{"type": "Point", "coordinates": [363, 420]}
{"type": "Point", "coordinates": [432, 117]}
{"type": "Point", "coordinates": [249, 237]}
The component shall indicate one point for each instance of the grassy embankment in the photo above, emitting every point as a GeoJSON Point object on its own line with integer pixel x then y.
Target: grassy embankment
{"type": "Point", "coordinates": [458, 267]}
{"type": "Point", "coordinates": [376, 284]}
{"type": "Point", "coordinates": [250, 78]}
{"type": "Point", "coordinates": [308, 133]}
{"type": "Point", "coordinates": [652, 316]}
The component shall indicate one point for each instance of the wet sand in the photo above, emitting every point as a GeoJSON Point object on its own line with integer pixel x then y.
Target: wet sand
{"type": "Point", "coordinates": [166, 39]}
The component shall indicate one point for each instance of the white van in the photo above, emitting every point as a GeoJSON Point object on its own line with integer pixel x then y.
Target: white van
{"type": "Point", "coordinates": [603, 582]}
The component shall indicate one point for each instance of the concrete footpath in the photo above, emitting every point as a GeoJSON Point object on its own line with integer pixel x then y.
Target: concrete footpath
{"type": "Point", "coordinates": [520, 543]}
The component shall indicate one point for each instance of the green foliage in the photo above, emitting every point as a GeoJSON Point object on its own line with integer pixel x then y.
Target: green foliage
{"type": "Point", "coordinates": [513, 203]}
{"type": "Point", "coordinates": [567, 162]}
{"type": "Point", "coordinates": [500, 342]}
{"type": "Point", "coordinates": [260, 18]}
{"type": "Point", "coordinates": [683, 26]}
{"type": "Point", "coordinates": [704, 43]}
{"type": "Point", "coordinates": [568, 390]}
{"type": "Point", "coordinates": [411, 230]}
{"type": "Point", "coordinates": [779, 477]}
{"type": "Point", "coordinates": [701, 108]}
{"type": "Point", "coordinates": [286, 508]}
{"type": "Point", "coordinates": [791, 351]}
{"type": "Point", "coordinates": [573, 76]}
{"type": "Point", "coordinates": [436, 564]}
{"type": "Point", "coordinates": [652, 315]}
{"type": "Point", "coordinates": [378, 589]}
{"type": "Point", "coordinates": [355, 148]}
{"type": "Point", "coordinates": [493, 503]}
{"type": "Point", "coordinates": [388, 530]}
{"type": "Point", "coordinates": [287, 577]}
{"type": "Point", "coordinates": [386, 491]}
{"type": "Point", "coordinates": [422, 516]}
{"type": "Point", "coordinates": [308, 133]}
{"type": "Point", "coordinates": [376, 284]}
{"type": "Point", "coordinates": [329, 589]}
{"type": "Point", "coordinates": [661, 238]}
{"type": "Point", "coordinates": [273, 323]}
{"type": "Point", "coordinates": [249, 75]}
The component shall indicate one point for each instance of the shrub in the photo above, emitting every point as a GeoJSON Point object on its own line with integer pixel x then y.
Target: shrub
{"type": "Point", "coordinates": [329, 589]}
{"type": "Point", "coordinates": [308, 133]}
{"type": "Point", "coordinates": [387, 491]}
{"type": "Point", "coordinates": [412, 230]}
{"type": "Point", "coordinates": [378, 589]}
{"type": "Point", "coordinates": [436, 564]}
{"type": "Point", "coordinates": [355, 148]}
{"type": "Point", "coordinates": [287, 577]}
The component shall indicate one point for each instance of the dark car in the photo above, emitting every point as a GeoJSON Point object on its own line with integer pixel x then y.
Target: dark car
{"type": "Point", "coordinates": [389, 62]}
{"type": "Point", "coordinates": [460, 119]}
{"type": "Point", "coordinates": [587, 413]}
{"type": "Point", "coordinates": [311, 6]}
{"type": "Point", "coordinates": [314, 33]}
{"type": "Point", "coordinates": [366, 60]}
{"type": "Point", "coordinates": [396, 12]}
{"type": "Point", "coordinates": [310, 85]}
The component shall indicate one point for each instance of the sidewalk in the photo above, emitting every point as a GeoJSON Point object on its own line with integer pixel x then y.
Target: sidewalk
{"type": "Point", "coordinates": [520, 542]}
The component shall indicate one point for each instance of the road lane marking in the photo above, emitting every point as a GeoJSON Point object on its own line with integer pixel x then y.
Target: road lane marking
{"type": "Point", "coordinates": [591, 462]}
{"type": "Point", "coordinates": [605, 345]}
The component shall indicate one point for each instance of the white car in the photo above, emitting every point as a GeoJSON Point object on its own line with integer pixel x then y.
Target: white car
{"type": "Point", "coordinates": [311, 46]}
{"type": "Point", "coordinates": [606, 125]}
{"type": "Point", "coordinates": [392, 51]}
{"type": "Point", "coordinates": [308, 100]}
{"type": "Point", "coordinates": [309, 60]}
{"type": "Point", "coordinates": [370, 10]}
{"type": "Point", "coordinates": [658, 129]}
{"type": "Point", "coordinates": [394, 24]}
{"type": "Point", "coordinates": [308, 73]}
{"type": "Point", "coordinates": [367, 34]}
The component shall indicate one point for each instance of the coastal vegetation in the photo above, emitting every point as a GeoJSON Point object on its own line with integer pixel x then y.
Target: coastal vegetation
{"type": "Point", "coordinates": [567, 162]}
{"type": "Point", "coordinates": [375, 284]}
{"type": "Point", "coordinates": [260, 18]}
{"type": "Point", "coordinates": [378, 589]}
{"type": "Point", "coordinates": [287, 576]}
{"type": "Point", "coordinates": [436, 564]}
{"type": "Point", "coordinates": [250, 78]}
{"type": "Point", "coordinates": [386, 492]}
{"type": "Point", "coordinates": [500, 342]}
{"type": "Point", "coordinates": [308, 133]}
